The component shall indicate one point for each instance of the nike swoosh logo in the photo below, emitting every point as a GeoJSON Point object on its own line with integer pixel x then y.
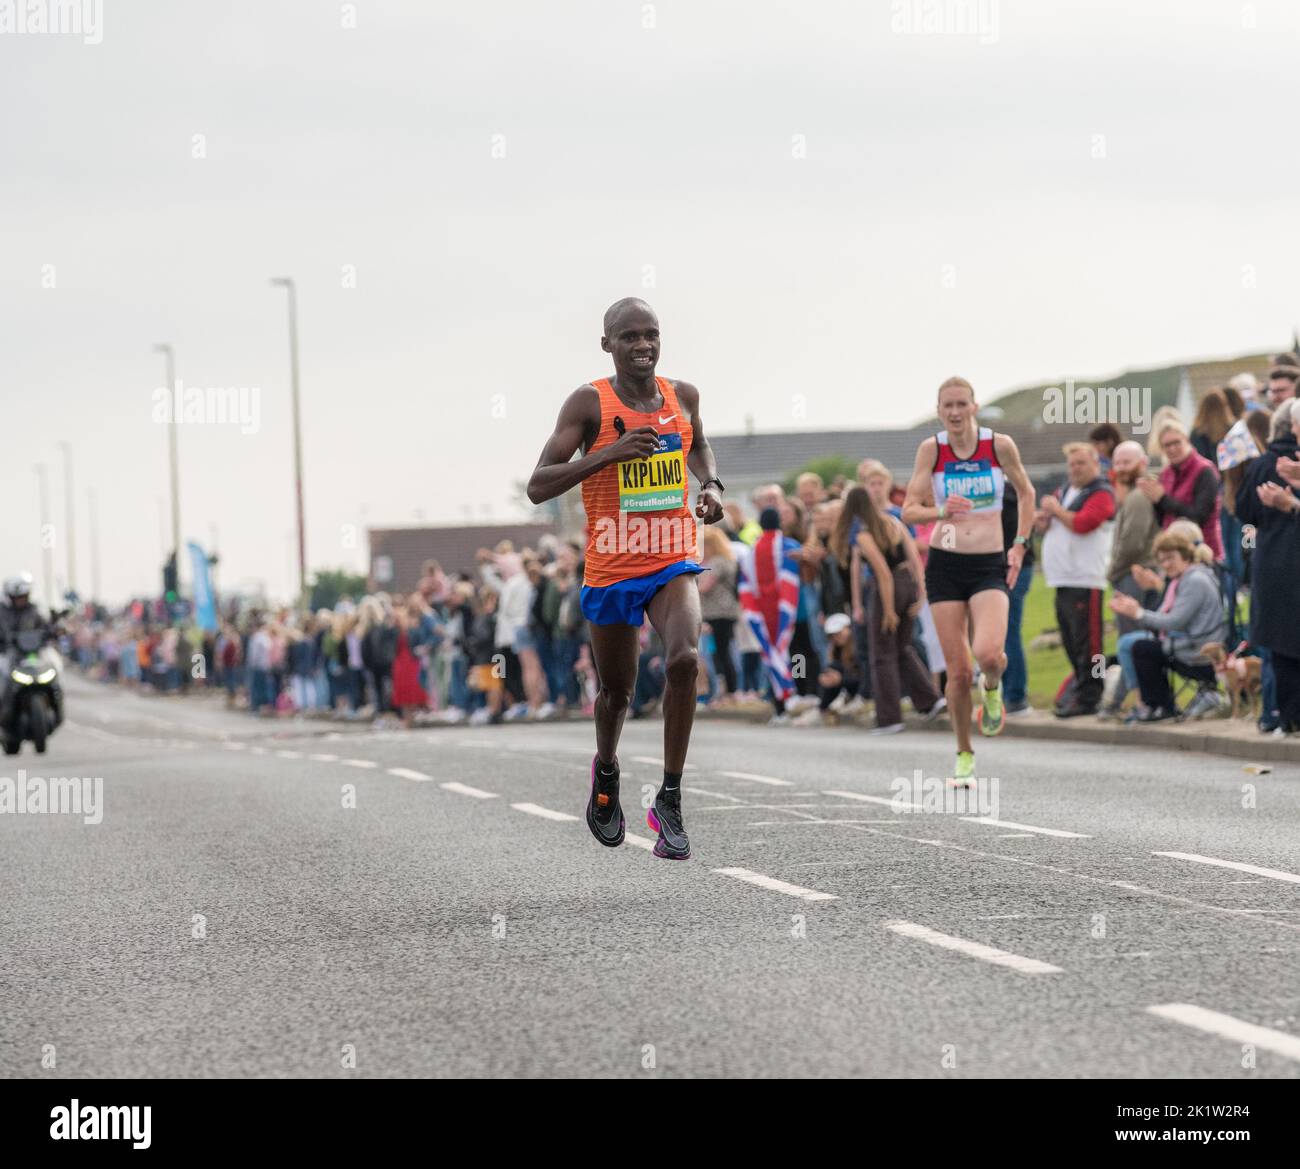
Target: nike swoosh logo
{"type": "Point", "coordinates": [668, 419]}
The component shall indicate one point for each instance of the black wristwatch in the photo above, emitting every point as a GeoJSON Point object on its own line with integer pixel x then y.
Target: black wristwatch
{"type": "Point", "coordinates": [721, 486]}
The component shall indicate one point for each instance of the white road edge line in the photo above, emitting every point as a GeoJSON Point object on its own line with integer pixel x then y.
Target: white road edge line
{"type": "Point", "coordinates": [776, 886]}
{"type": "Point", "coordinates": [407, 773]}
{"type": "Point", "coordinates": [545, 813]}
{"type": "Point", "coordinates": [909, 929]}
{"type": "Point", "coordinates": [1276, 874]}
{"type": "Point", "coordinates": [768, 779]}
{"type": "Point", "coordinates": [639, 841]}
{"type": "Point", "coordinates": [464, 789]}
{"type": "Point", "coordinates": [1226, 1027]}
{"type": "Point", "coordinates": [1025, 827]}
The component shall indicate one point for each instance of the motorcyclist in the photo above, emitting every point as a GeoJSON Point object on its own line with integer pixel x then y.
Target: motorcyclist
{"type": "Point", "coordinates": [19, 615]}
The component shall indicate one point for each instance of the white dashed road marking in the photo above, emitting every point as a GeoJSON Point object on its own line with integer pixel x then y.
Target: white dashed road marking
{"type": "Point", "coordinates": [407, 773]}
{"type": "Point", "coordinates": [886, 801]}
{"type": "Point", "coordinates": [358, 763]}
{"type": "Point", "coordinates": [768, 779]}
{"type": "Point", "coordinates": [324, 758]}
{"type": "Point", "coordinates": [776, 886]}
{"type": "Point", "coordinates": [464, 789]}
{"type": "Point", "coordinates": [659, 762]}
{"type": "Point", "coordinates": [1225, 1026]}
{"type": "Point", "coordinates": [1276, 874]}
{"type": "Point", "coordinates": [699, 791]}
{"type": "Point", "coordinates": [1025, 827]}
{"type": "Point", "coordinates": [909, 929]}
{"type": "Point", "coordinates": [545, 813]}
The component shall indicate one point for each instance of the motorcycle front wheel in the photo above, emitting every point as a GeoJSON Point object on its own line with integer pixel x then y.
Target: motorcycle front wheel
{"type": "Point", "coordinates": [38, 715]}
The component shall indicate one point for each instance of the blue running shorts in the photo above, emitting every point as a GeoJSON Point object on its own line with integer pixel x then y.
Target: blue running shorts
{"type": "Point", "coordinates": [624, 602]}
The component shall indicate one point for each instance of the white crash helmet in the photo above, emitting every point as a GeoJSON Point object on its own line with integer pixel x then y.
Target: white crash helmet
{"type": "Point", "coordinates": [19, 586]}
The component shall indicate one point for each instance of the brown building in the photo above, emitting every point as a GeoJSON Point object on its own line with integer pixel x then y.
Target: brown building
{"type": "Point", "coordinates": [397, 555]}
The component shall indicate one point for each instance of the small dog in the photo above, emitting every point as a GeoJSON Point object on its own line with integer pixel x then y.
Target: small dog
{"type": "Point", "coordinates": [1240, 676]}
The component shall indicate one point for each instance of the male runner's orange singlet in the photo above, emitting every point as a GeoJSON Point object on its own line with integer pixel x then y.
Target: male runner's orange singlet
{"type": "Point", "coordinates": [628, 503]}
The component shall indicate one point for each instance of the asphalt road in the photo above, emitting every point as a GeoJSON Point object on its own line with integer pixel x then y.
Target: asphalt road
{"type": "Point", "coordinates": [381, 903]}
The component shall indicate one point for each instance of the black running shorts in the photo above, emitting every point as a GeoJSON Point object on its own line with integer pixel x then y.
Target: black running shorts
{"type": "Point", "coordinates": [958, 576]}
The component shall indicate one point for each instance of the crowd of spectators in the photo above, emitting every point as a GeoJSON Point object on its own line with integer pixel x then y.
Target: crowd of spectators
{"type": "Point", "coordinates": [1187, 541]}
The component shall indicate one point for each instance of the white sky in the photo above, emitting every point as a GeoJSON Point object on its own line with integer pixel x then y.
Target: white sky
{"type": "Point", "coordinates": [807, 292]}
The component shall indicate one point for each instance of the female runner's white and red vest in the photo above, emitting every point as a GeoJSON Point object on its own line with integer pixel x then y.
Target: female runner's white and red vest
{"type": "Point", "coordinates": [978, 478]}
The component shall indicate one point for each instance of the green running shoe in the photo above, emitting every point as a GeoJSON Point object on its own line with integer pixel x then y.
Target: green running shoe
{"type": "Point", "coordinates": [963, 775]}
{"type": "Point", "coordinates": [992, 715]}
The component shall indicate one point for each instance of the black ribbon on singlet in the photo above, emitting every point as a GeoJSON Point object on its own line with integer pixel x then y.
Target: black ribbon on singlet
{"type": "Point", "coordinates": [619, 425]}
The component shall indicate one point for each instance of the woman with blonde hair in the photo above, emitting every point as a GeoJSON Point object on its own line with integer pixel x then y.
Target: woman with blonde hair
{"type": "Point", "coordinates": [1162, 415]}
{"type": "Point", "coordinates": [958, 480]}
{"type": "Point", "coordinates": [1188, 487]}
{"type": "Point", "coordinates": [719, 603]}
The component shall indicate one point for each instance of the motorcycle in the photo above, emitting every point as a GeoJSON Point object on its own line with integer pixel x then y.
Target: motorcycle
{"type": "Point", "coordinates": [32, 706]}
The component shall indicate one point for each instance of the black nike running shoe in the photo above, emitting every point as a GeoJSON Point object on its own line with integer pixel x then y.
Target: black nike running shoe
{"type": "Point", "coordinates": [604, 813]}
{"type": "Point", "coordinates": [665, 817]}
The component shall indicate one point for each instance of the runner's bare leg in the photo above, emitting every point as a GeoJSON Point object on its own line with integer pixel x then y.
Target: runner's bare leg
{"type": "Point", "coordinates": [615, 651]}
{"type": "Point", "coordinates": [950, 624]}
{"type": "Point", "coordinates": [674, 611]}
{"type": "Point", "coordinates": [989, 613]}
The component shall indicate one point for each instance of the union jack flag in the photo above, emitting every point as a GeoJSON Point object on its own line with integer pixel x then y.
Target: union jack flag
{"type": "Point", "coordinates": [769, 596]}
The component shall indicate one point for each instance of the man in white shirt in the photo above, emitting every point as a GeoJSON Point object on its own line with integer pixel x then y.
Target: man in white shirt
{"type": "Point", "coordinates": [1076, 522]}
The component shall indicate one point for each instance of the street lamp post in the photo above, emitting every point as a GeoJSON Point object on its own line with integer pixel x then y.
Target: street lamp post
{"type": "Point", "coordinates": [286, 282]}
{"type": "Point", "coordinates": [169, 357]}
{"type": "Point", "coordinates": [46, 542]}
{"type": "Point", "coordinates": [94, 544]}
{"type": "Point", "coordinates": [70, 539]}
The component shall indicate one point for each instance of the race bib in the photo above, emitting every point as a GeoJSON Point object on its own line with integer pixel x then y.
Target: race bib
{"type": "Point", "coordinates": [657, 483]}
{"type": "Point", "coordinates": [972, 480]}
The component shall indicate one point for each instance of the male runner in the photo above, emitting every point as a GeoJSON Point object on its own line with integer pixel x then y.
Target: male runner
{"type": "Point", "coordinates": [958, 483]}
{"type": "Point", "coordinates": [638, 433]}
